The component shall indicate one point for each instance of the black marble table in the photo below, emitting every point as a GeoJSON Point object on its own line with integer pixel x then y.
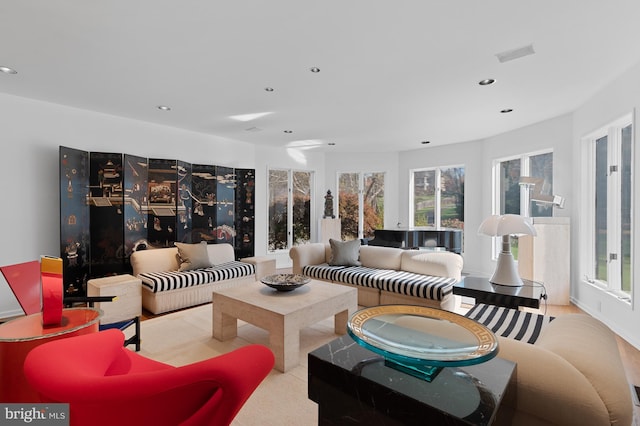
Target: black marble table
{"type": "Point", "coordinates": [353, 386]}
{"type": "Point", "coordinates": [483, 291]}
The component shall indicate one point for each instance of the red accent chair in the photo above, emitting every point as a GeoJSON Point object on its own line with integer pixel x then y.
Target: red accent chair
{"type": "Point", "coordinates": [107, 384]}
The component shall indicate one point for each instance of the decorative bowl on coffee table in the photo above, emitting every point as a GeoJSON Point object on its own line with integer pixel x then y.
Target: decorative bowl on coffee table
{"type": "Point", "coordinates": [285, 282]}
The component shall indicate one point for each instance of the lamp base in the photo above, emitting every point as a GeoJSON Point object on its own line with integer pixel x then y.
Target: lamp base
{"type": "Point", "coordinates": [506, 272]}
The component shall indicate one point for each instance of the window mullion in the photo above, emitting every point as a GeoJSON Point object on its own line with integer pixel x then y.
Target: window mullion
{"type": "Point", "coordinates": [613, 206]}
{"type": "Point", "coordinates": [437, 215]}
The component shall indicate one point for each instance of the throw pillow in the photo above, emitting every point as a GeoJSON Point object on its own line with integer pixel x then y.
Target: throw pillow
{"type": "Point", "coordinates": [345, 253]}
{"type": "Point", "coordinates": [193, 256]}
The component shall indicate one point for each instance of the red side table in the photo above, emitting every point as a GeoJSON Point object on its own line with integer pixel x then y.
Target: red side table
{"type": "Point", "coordinates": [19, 336]}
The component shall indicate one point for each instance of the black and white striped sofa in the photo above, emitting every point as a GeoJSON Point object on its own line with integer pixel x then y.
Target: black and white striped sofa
{"type": "Point", "coordinates": [386, 275]}
{"type": "Point", "coordinates": [166, 288]}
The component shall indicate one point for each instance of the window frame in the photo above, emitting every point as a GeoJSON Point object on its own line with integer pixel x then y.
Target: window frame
{"type": "Point", "coordinates": [361, 187]}
{"type": "Point", "coordinates": [525, 194]}
{"type": "Point", "coordinates": [437, 214]}
{"type": "Point", "coordinates": [613, 132]}
{"type": "Point", "coordinates": [290, 206]}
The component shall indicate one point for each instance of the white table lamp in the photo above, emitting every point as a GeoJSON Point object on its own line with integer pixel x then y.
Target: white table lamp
{"type": "Point", "coordinates": [504, 226]}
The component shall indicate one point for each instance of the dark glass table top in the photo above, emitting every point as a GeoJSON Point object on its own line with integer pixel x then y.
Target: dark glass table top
{"type": "Point", "coordinates": [483, 291]}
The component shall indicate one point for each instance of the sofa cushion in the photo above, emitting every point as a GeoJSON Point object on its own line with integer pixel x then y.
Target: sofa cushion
{"type": "Point", "coordinates": [381, 257]}
{"type": "Point", "coordinates": [193, 256]}
{"type": "Point", "coordinates": [417, 285]}
{"type": "Point", "coordinates": [401, 282]}
{"type": "Point", "coordinates": [362, 276]}
{"type": "Point", "coordinates": [511, 323]}
{"type": "Point", "coordinates": [591, 347]}
{"type": "Point", "coordinates": [442, 264]}
{"type": "Point", "coordinates": [172, 280]}
{"type": "Point", "coordinates": [323, 272]}
{"type": "Point", "coordinates": [344, 253]}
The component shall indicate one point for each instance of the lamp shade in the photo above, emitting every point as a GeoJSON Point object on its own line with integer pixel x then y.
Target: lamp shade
{"type": "Point", "coordinates": [508, 224]}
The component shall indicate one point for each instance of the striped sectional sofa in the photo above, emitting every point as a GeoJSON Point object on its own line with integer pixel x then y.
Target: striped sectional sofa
{"type": "Point", "coordinates": [386, 275]}
{"type": "Point", "coordinates": [166, 288]}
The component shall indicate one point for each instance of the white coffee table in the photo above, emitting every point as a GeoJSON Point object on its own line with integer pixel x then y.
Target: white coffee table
{"type": "Point", "coordinates": [282, 314]}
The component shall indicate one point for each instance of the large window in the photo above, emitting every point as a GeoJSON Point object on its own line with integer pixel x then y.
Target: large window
{"type": "Point", "coordinates": [289, 208]}
{"type": "Point", "coordinates": [437, 197]}
{"type": "Point", "coordinates": [608, 224]}
{"type": "Point", "coordinates": [523, 185]}
{"type": "Point", "coordinates": [360, 204]}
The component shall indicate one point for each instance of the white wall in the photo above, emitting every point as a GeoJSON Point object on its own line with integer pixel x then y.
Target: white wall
{"type": "Point", "coordinates": [615, 100]}
{"type": "Point", "coordinates": [32, 132]}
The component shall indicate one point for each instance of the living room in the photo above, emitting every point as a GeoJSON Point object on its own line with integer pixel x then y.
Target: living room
{"type": "Point", "coordinates": [34, 127]}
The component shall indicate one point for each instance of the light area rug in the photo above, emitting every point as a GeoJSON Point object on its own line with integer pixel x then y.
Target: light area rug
{"type": "Point", "coordinates": [281, 399]}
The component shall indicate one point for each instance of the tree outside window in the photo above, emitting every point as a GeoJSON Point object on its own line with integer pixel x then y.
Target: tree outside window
{"type": "Point", "coordinates": [289, 208]}
{"type": "Point", "coordinates": [438, 197]}
{"type": "Point", "coordinates": [360, 204]}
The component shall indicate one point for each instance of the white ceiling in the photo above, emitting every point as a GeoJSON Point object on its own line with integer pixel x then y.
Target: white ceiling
{"type": "Point", "coordinates": [392, 73]}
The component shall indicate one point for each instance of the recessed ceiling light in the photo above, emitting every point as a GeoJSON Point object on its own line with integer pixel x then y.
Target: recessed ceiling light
{"type": "Point", "coordinates": [315, 69]}
{"type": "Point", "coordinates": [164, 108]}
{"type": "Point", "coordinates": [288, 131]}
{"type": "Point", "coordinates": [486, 81]}
{"type": "Point", "coordinates": [506, 110]}
{"type": "Point", "coordinates": [8, 70]}
{"type": "Point", "coordinates": [268, 89]}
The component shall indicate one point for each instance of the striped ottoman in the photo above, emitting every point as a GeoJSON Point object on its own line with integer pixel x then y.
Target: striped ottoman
{"type": "Point", "coordinates": [511, 323]}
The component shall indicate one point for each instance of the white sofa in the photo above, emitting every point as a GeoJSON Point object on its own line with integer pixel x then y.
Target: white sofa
{"type": "Point", "coordinates": [569, 370]}
{"type": "Point", "coordinates": [166, 288]}
{"type": "Point", "coordinates": [386, 275]}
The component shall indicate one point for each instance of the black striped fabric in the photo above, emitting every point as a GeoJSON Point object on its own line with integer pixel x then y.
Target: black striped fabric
{"type": "Point", "coordinates": [321, 272]}
{"type": "Point", "coordinates": [511, 323]}
{"type": "Point", "coordinates": [231, 270]}
{"type": "Point", "coordinates": [362, 276]}
{"type": "Point", "coordinates": [417, 285]}
{"type": "Point", "coordinates": [400, 282]}
{"type": "Point", "coordinates": [172, 280]}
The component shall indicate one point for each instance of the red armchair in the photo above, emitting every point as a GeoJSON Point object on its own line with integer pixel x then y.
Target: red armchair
{"type": "Point", "coordinates": [106, 384]}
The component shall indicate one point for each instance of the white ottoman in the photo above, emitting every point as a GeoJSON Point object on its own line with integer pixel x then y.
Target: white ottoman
{"type": "Point", "coordinates": [128, 303]}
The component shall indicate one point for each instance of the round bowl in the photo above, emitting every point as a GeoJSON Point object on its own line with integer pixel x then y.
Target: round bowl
{"type": "Point", "coordinates": [285, 282]}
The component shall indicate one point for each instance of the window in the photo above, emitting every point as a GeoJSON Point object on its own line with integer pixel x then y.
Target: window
{"type": "Point", "coordinates": [608, 224]}
{"type": "Point", "coordinates": [289, 208]}
{"type": "Point", "coordinates": [523, 185]}
{"type": "Point", "coordinates": [360, 204]}
{"type": "Point", "coordinates": [437, 197]}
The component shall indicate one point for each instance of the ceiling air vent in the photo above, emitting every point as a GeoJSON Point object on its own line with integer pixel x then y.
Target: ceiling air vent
{"type": "Point", "coordinates": [510, 55]}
